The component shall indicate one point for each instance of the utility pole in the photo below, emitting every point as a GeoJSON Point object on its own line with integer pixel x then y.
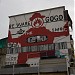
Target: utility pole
{"type": "Point", "coordinates": [39, 67]}
{"type": "Point", "coordinates": [13, 69]}
{"type": "Point", "coordinates": [68, 65]}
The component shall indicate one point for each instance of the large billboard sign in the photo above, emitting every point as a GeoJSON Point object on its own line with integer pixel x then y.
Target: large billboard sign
{"type": "Point", "coordinates": [39, 31]}
{"type": "Point", "coordinates": [41, 27]}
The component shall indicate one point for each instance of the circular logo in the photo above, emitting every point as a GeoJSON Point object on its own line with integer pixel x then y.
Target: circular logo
{"type": "Point", "coordinates": [37, 20]}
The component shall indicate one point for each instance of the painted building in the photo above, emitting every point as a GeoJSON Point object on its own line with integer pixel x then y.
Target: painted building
{"type": "Point", "coordinates": [37, 35]}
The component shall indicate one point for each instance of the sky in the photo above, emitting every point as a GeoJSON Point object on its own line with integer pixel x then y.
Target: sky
{"type": "Point", "coordinates": [15, 7]}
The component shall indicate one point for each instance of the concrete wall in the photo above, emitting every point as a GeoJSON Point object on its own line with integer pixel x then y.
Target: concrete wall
{"type": "Point", "coordinates": [46, 66]}
{"type": "Point", "coordinates": [2, 60]}
{"type": "Point", "coordinates": [72, 70]}
{"type": "Point", "coordinates": [53, 65]}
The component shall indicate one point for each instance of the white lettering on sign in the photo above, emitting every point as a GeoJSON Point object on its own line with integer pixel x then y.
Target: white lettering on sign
{"type": "Point", "coordinates": [11, 59]}
{"type": "Point", "coordinates": [35, 39]}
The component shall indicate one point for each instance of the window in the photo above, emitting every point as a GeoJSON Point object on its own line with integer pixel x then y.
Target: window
{"type": "Point", "coordinates": [51, 46]}
{"type": "Point", "coordinates": [8, 50]}
{"type": "Point", "coordinates": [63, 45]}
{"type": "Point", "coordinates": [11, 50]}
